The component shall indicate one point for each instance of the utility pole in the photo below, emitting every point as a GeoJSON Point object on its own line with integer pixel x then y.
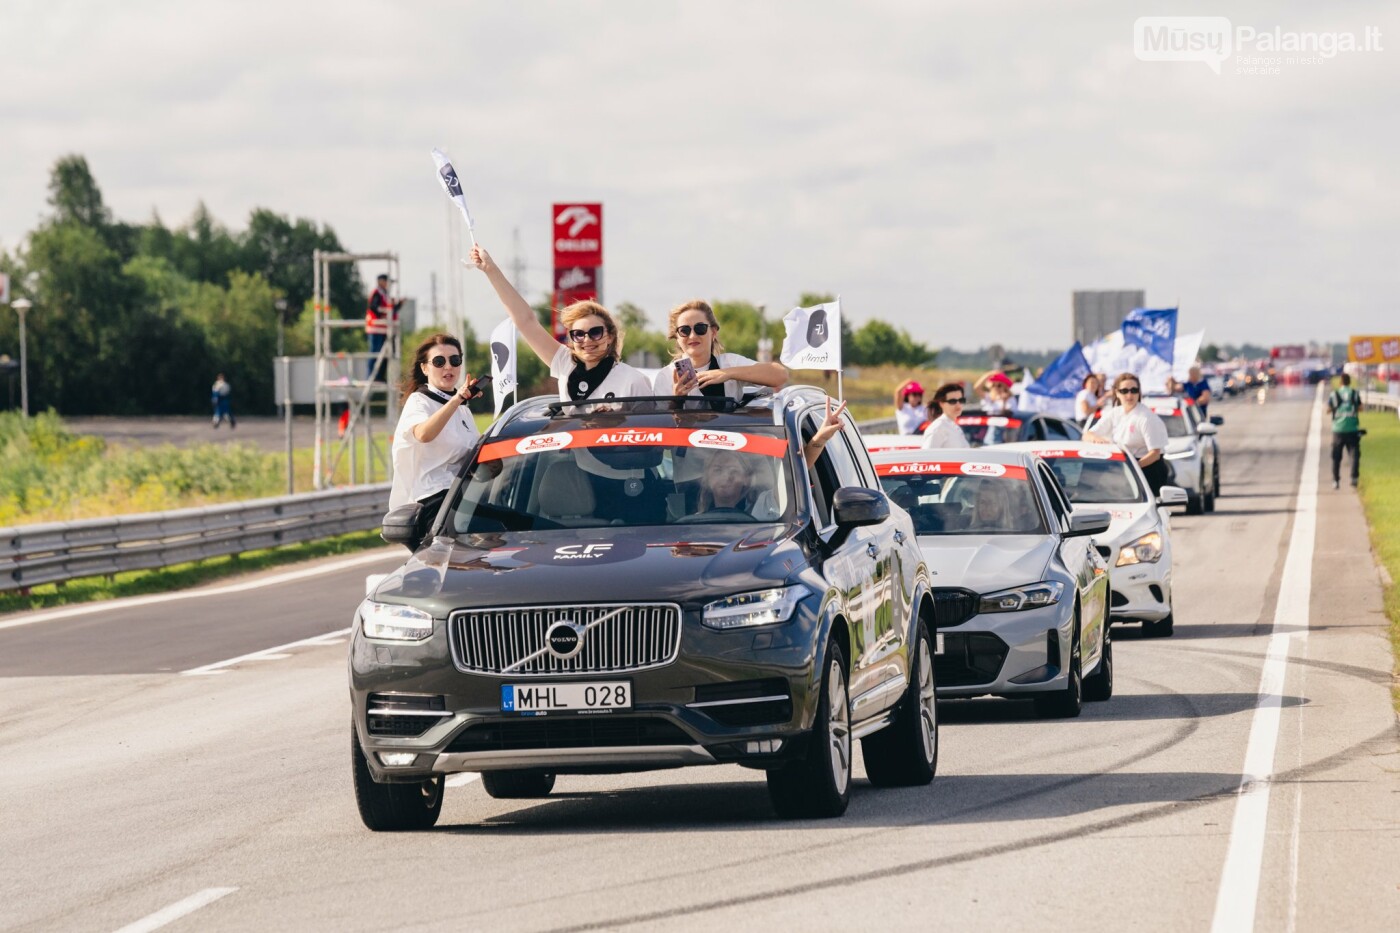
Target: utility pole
{"type": "Point", "coordinates": [517, 264]}
{"type": "Point", "coordinates": [21, 305]}
{"type": "Point", "coordinates": [432, 285]}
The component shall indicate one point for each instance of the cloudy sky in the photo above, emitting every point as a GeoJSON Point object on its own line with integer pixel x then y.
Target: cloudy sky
{"type": "Point", "coordinates": [958, 168]}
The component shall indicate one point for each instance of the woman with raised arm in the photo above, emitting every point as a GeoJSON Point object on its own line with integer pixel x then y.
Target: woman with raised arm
{"type": "Point", "coordinates": [707, 369]}
{"type": "Point", "coordinates": [589, 366]}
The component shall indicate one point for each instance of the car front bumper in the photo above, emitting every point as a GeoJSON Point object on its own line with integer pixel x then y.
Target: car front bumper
{"type": "Point", "coordinates": [1007, 653]}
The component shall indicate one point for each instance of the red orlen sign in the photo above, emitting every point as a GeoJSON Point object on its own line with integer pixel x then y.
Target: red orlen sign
{"type": "Point", "coordinates": [578, 235]}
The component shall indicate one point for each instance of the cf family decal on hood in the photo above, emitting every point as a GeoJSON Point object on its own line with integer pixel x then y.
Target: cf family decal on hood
{"type": "Point", "coordinates": [951, 469]}
{"type": "Point", "coordinates": [636, 437]}
{"type": "Point", "coordinates": [583, 554]}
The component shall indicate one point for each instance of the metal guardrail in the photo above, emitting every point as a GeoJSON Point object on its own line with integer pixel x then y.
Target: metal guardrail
{"type": "Point", "coordinates": [1372, 399]}
{"type": "Point", "coordinates": [57, 551]}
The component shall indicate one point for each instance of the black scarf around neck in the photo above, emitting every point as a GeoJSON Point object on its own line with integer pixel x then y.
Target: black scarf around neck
{"type": "Point", "coordinates": [582, 380]}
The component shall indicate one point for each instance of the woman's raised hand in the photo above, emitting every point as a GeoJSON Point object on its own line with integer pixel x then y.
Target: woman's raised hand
{"type": "Point", "coordinates": [478, 258]}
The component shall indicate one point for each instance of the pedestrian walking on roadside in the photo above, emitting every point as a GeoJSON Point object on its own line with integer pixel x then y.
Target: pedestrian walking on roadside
{"type": "Point", "coordinates": [1344, 404]}
{"type": "Point", "coordinates": [221, 395]}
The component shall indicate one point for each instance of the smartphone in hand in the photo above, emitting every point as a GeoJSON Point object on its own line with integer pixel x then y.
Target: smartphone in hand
{"type": "Point", "coordinates": [685, 370]}
{"type": "Point", "coordinates": [477, 387]}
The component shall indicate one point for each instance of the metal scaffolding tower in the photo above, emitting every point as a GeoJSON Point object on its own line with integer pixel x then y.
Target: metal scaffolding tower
{"type": "Point", "coordinates": [346, 379]}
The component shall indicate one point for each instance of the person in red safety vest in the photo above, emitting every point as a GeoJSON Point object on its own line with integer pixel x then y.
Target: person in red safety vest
{"type": "Point", "coordinates": [379, 314]}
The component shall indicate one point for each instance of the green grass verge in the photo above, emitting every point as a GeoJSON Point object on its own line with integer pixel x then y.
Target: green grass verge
{"type": "Point", "coordinates": [1380, 495]}
{"type": "Point", "coordinates": [182, 576]}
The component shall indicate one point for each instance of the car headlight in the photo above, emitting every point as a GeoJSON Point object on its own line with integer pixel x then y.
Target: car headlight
{"type": "Point", "coordinates": [1030, 596]}
{"type": "Point", "coordinates": [765, 607]}
{"type": "Point", "coordinates": [1145, 550]}
{"type": "Point", "coordinates": [1182, 454]}
{"type": "Point", "coordinates": [395, 623]}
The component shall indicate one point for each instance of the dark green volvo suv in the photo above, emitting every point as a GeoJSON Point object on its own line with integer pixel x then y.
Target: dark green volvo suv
{"type": "Point", "coordinates": [648, 584]}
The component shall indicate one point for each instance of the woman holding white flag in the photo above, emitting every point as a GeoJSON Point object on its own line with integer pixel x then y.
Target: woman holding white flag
{"type": "Point", "coordinates": [711, 372]}
{"type": "Point", "coordinates": [589, 367]}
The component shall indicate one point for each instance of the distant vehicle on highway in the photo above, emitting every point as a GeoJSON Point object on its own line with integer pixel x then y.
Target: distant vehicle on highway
{"type": "Point", "coordinates": [1192, 451]}
{"type": "Point", "coordinates": [650, 586]}
{"type": "Point", "coordinates": [1138, 545]}
{"type": "Point", "coordinates": [1022, 594]}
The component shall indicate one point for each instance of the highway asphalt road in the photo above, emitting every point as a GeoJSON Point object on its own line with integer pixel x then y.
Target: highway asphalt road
{"type": "Point", "coordinates": [133, 793]}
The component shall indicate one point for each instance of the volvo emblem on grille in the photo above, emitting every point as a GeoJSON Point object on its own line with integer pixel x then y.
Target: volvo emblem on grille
{"type": "Point", "coordinates": [565, 639]}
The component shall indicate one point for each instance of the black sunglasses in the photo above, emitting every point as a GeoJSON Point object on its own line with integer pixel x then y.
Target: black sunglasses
{"type": "Point", "coordinates": [700, 329]}
{"type": "Point", "coordinates": [954, 401]}
{"type": "Point", "coordinates": [1130, 390]}
{"type": "Point", "coordinates": [593, 333]}
{"type": "Point", "coordinates": [440, 361]}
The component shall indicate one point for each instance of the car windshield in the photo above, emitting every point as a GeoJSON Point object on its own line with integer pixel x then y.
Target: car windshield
{"type": "Point", "coordinates": [1175, 422]}
{"type": "Point", "coordinates": [984, 430]}
{"type": "Point", "coordinates": [1096, 480]}
{"type": "Point", "coordinates": [628, 478]}
{"type": "Point", "coordinates": [961, 504]}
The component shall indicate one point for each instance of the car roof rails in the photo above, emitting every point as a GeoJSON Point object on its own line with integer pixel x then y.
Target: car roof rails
{"type": "Point", "coordinates": [673, 402]}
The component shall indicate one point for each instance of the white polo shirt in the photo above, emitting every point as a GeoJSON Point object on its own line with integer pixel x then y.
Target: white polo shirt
{"type": "Point", "coordinates": [665, 381]}
{"type": "Point", "coordinates": [944, 433]}
{"type": "Point", "coordinates": [422, 468]}
{"type": "Point", "coordinates": [622, 380]}
{"type": "Point", "coordinates": [1137, 431]}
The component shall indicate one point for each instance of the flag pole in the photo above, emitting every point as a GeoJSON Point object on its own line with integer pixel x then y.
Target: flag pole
{"type": "Point", "coordinates": [840, 386]}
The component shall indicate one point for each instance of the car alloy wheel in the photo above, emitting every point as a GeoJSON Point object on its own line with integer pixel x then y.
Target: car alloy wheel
{"type": "Point", "coordinates": [818, 784]}
{"type": "Point", "coordinates": [838, 711]}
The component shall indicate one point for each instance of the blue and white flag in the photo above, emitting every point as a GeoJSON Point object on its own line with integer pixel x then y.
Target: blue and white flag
{"type": "Point", "coordinates": [1055, 389]}
{"type": "Point", "coordinates": [1152, 329]}
{"type": "Point", "coordinates": [447, 177]}
{"type": "Point", "coordinates": [503, 346]}
{"type": "Point", "coordinates": [813, 339]}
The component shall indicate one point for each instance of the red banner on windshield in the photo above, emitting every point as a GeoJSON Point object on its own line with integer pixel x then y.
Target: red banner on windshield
{"type": "Point", "coordinates": [705, 439]}
{"type": "Point", "coordinates": [918, 467]}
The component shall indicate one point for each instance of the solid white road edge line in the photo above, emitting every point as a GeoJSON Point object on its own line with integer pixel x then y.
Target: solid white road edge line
{"type": "Point", "coordinates": [1238, 896]}
{"type": "Point", "coordinates": [68, 612]}
{"type": "Point", "coordinates": [176, 910]}
{"type": "Point", "coordinates": [270, 654]}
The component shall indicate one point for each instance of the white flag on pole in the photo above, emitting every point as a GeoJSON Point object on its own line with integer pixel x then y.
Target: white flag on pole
{"type": "Point", "coordinates": [447, 177]}
{"type": "Point", "coordinates": [813, 338]}
{"type": "Point", "coordinates": [503, 346]}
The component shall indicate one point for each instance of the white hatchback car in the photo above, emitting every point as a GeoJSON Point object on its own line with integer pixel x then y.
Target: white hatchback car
{"type": "Point", "coordinates": [1138, 544]}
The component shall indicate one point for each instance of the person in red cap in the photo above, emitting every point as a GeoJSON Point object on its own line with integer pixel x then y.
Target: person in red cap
{"type": "Point", "coordinates": [994, 388]}
{"type": "Point", "coordinates": [910, 412]}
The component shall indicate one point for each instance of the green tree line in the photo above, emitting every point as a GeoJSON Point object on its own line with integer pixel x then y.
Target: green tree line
{"type": "Point", "coordinates": [138, 318]}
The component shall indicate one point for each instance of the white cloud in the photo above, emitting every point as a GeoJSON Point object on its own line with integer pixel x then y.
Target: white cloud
{"type": "Point", "coordinates": [957, 169]}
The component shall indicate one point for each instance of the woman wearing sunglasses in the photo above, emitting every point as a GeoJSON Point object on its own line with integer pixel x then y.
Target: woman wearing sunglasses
{"type": "Point", "coordinates": [589, 365]}
{"type": "Point", "coordinates": [1134, 427]}
{"type": "Point", "coordinates": [712, 372]}
{"type": "Point", "coordinates": [944, 432]}
{"type": "Point", "coordinates": [435, 432]}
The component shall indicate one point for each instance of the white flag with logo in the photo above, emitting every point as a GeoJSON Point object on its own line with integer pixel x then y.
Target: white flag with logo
{"type": "Point", "coordinates": [503, 346]}
{"type": "Point", "coordinates": [447, 177]}
{"type": "Point", "coordinates": [813, 338]}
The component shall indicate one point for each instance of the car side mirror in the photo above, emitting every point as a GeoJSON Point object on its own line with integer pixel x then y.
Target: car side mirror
{"type": "Point", "coordinates": [1217, 419]}
{"type": "Point", "coordinates": [1088, 522]}
{"type": "Point", "coordinates": [1172, 495]}
{"type": "Point", "coordinates": [853, 506]}
{"type": "Point", "coordinates": [400, 525]}
{"type": "Point", "coordinates": [1205, 429]}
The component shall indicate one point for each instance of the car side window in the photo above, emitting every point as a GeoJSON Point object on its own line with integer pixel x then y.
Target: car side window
{"type": "Point", "coordinates": [861, 457]}
{"type": "Point", "coordinates": [1058, 503]}
{"type": "Point", "coordinates": [835, 467]}
{"type": "Point", "coordinates": [1037, 429]}
{"type": "Point", "coordinates": [1055, 430]}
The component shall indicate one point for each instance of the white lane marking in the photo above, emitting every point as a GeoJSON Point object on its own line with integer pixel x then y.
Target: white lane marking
{"type": "Point", "coordinates": [177, 910]}
{"type": "Point", "coordinates": [462, 780]}
{"type": "Point", "coordinates": [1238, 896]}
{"type": "Point", "coordinates": [271, 654]}
{"type": "Point", "coordinates": [291, 577]}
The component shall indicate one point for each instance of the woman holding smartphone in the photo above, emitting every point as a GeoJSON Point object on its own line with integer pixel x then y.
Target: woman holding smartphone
{"type": "Point", "coordinates": [589, 366]}
{"type": "Point", "coordinates": [702, 367]}
{"type": "Point", "coordinates": [435, 432]}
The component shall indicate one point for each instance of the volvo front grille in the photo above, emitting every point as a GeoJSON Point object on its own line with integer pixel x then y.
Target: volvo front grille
{"type": "Point", "coordinates": [614, 639]}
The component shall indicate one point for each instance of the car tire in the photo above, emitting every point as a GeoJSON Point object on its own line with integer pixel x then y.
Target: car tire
{"type": "Point", "coordinates": [1162, 628]}
{"type": "Point", "coordinates": [517, 785]}
{"type": "Point", "coordinates": [393, 807]}
{"type": "Point", "coordinates": [905, 753]}
{"type": "Point", "coordinates": [1067, 702]}
{"type": "Point", "coordinates": [1215, 481]}
{"type": "Point", "coordinates": [818, 785]}
{"type": "Point", "coordinates": [1098, 686]}
{"type": "Point", "coordinates": [1195, 502]}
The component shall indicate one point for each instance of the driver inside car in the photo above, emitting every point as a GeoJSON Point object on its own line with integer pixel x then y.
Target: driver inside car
{"type": "Point", "coordinates": [726, 483]}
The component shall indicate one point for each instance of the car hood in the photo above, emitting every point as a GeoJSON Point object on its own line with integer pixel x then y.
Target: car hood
{"type": "Point", "coordinates": [687, 564]}
{"type": "Point", "coordinates": [1131, 520]}
{"type": "Point", "coordinates": [1177, 444]}
{"type": "Point", "coordinates": [986, 563]}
